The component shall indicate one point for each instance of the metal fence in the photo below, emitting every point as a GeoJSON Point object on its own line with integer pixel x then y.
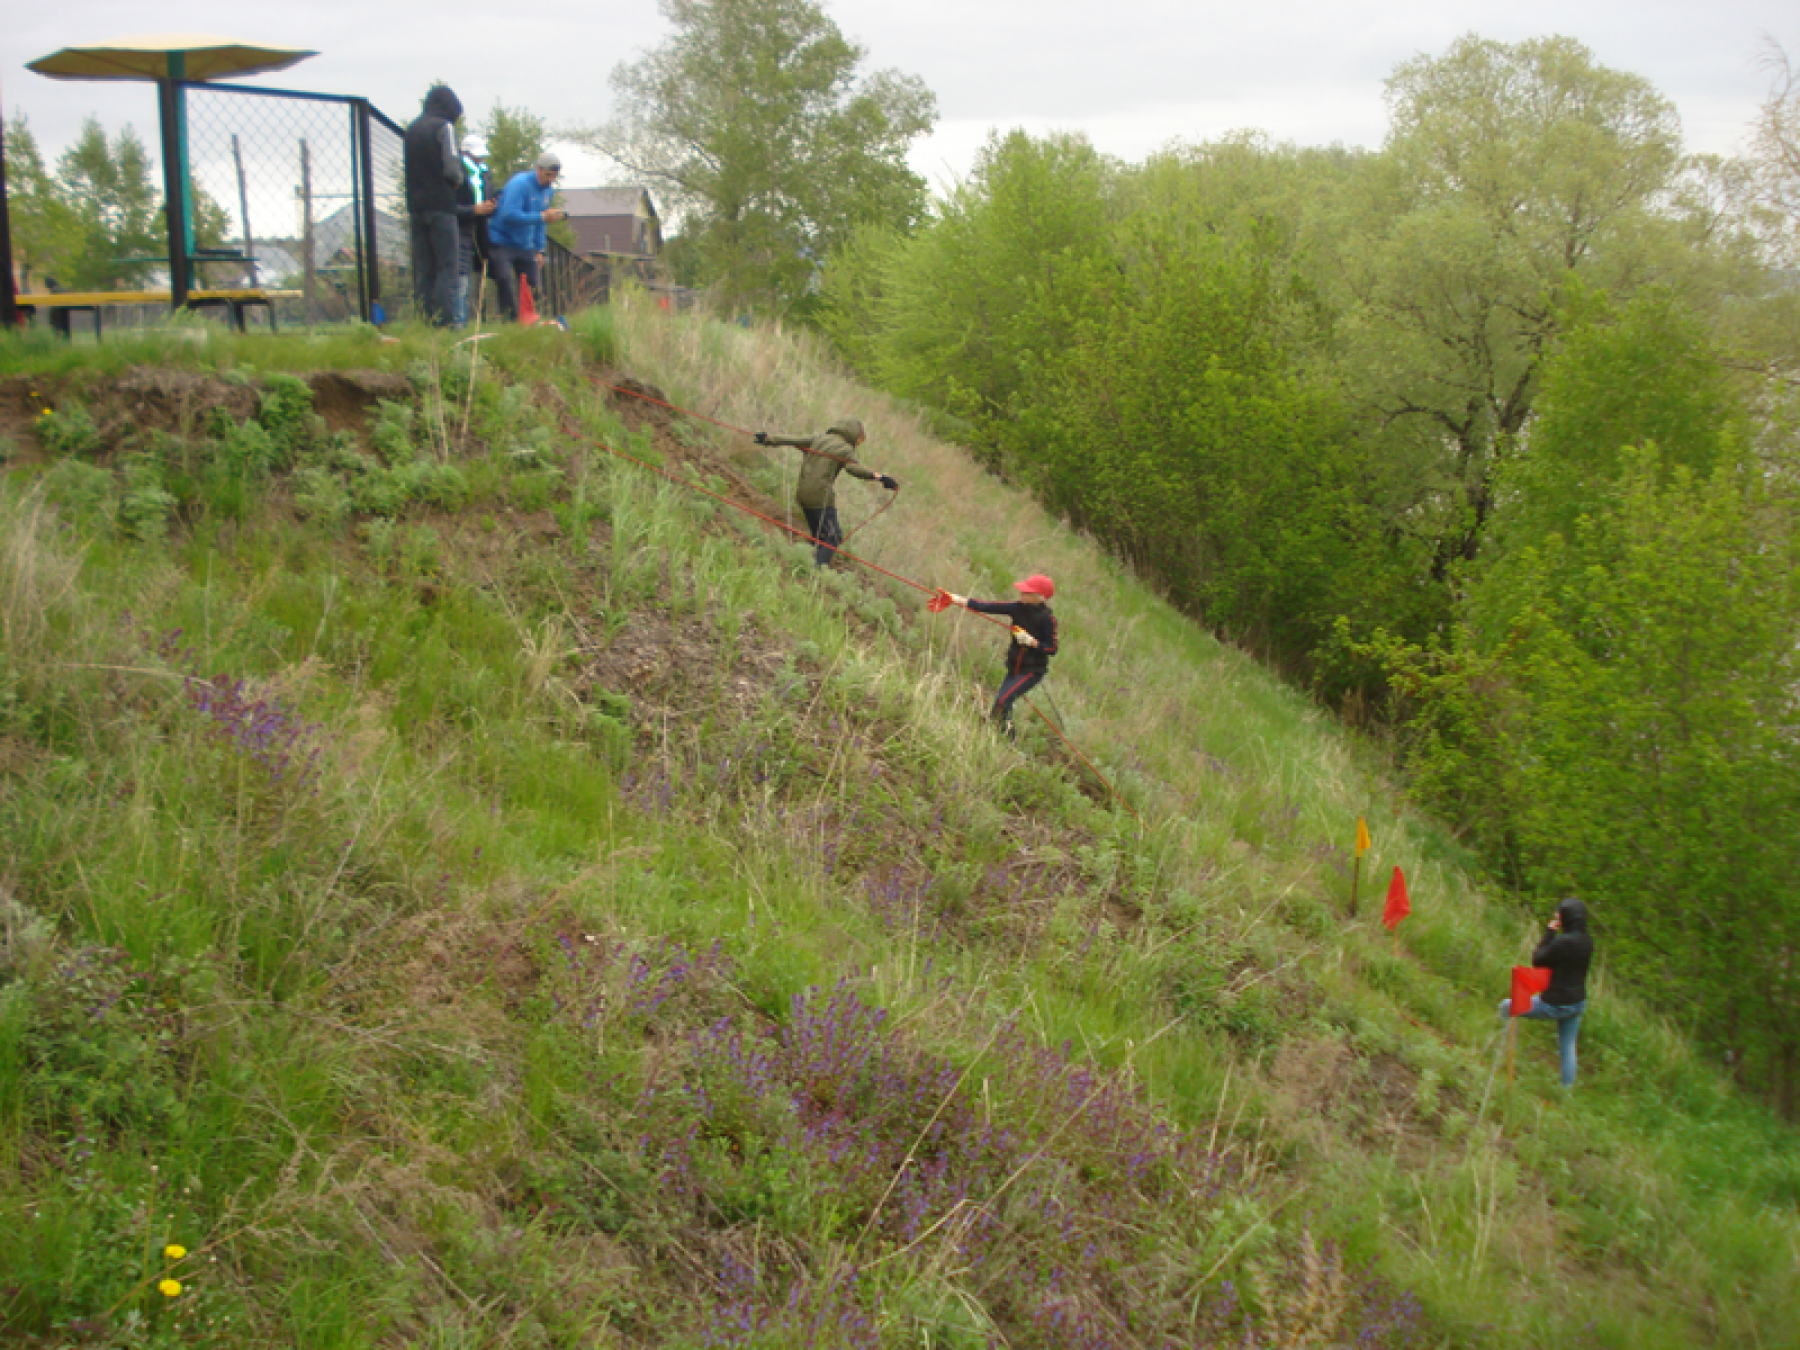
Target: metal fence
{"type": "Point", "coordinates": [327, 175]}
{"type": "Point", "coordinates": [302, 196]}
{"type": "Point", "coordinates": [310, 188]}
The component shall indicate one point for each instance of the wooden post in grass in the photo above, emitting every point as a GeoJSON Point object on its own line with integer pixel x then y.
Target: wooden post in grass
{"type": "Point", "coordinates": [1362, 847]}
{"type": "Point", "coordinates": [308, 264]}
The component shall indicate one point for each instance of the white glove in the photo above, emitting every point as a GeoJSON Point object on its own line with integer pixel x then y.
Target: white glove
{"type": "Point", "coordinates": [1021, 636]}
{"type": "Point", "coordinates": [962, 600]}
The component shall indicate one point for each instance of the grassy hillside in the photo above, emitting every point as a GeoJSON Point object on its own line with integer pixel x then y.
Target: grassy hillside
{"type": "Point", "coordinates": [461, 888]}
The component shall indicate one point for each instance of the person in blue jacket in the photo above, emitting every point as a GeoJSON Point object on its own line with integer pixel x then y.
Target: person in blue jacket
{"type": "Point", "coordinates": [516, 233]}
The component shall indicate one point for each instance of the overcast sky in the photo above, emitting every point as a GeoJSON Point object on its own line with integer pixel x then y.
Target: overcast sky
{"type": "Point", "coordinates": [1132, 78]}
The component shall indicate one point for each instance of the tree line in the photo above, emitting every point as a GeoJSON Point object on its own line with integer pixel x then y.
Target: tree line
{"type": "Point", "coordinates": [1487, 435]}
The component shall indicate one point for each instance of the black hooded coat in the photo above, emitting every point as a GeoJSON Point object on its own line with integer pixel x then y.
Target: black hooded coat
{"type": "Point", "coordinates": [1567, 955]}
{"type": "Point", "coordinates": [434, 168]}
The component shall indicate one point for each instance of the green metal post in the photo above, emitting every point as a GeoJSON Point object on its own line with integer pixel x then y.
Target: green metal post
{"type": "Point", "coordinates": [177, 200]}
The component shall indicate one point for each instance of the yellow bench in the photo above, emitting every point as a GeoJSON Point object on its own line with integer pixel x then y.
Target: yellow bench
{"type": "Point", "coordinates": [64, 303]}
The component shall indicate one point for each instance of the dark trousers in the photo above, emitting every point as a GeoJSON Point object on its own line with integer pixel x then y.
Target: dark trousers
{"type": "Point", "coordinates": [506, 264]}
{"type": "Point", "coordinates": [436, 249]}
{"type": "Point", "coordinates": [822, 524]}
{"type": "Point", "coordinates": [1012, 689]}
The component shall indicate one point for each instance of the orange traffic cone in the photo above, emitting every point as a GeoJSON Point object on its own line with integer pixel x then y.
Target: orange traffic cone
{"type": "Point", "coordinates": [528, 314]}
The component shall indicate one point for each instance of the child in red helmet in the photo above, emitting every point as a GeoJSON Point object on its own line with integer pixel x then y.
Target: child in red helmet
{"type": "Point", "coordinates": [1033, 639]}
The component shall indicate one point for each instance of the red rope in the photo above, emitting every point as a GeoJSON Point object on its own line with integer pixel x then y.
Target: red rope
{"type": "Point", "coordinates": [864, 562]}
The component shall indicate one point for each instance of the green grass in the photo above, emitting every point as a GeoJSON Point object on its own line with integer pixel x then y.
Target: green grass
{"type": "Point", "coordinates": [645, 881]}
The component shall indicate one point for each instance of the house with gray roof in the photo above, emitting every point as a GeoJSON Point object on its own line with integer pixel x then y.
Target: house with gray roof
{"type": "Point", "coordinates": [613, 221]}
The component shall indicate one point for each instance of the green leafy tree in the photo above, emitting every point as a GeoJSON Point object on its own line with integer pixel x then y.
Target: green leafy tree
{"type": "Point", "coordinates": [46, 230]}
{"type": "Point", "coordinates": [853, 295]}
{"type": "Point", "coordinates": [972, 302]}
{"type": "Point", "coordinates": [753, 126]}
{"type": "Point", "coordinates": [111, 184]}
{"type": "Point", "coordinates": [1177, 419]}
{"type": "Point", "coordinates": [1619, 376]}
{"type": "Point", "coordinates": [1508, 170]}
{"type": "Point", "coordinates": [1770, 186]}
{"type": "Point", "coordinates": [1615, 711]}
{"type": "Point", "coordinates": [515, 138]}
{"type": "Point", "coordinates": [1775, 156]}
{"type": "Point", "coordinates": [1655, 754]}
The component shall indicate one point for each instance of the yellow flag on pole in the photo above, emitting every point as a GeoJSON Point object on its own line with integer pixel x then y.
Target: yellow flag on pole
{"type": "Point", "coordinates": [1362, 837]}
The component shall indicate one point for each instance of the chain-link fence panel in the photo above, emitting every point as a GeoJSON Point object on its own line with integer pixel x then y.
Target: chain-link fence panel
{"type": "Point", "coordinates": [297, 205]}
{"type": "Point", "coordinates": [305, 194]}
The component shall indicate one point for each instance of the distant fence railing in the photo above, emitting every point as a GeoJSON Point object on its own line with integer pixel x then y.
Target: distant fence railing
{"type": "Point", "coordinates": [571, 282]}
{"type": "Point", "coordinates": [310, 188]}
{"type": "Point", "coordinates": [304, 195]}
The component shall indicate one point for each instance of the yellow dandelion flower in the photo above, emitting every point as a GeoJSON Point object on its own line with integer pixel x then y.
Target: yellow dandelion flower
{"type": "Point", "coordinates": [174, 1251]}
{"type": "Point", "coordinates": [170, 1288]}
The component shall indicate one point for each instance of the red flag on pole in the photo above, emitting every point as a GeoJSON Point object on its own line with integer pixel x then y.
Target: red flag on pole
{"type": "Point", "coordinates": [1398, 906]}
{"type": "Point", "coordinates": [1526, 981]}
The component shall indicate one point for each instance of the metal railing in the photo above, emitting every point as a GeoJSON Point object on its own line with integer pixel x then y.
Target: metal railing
{"type": "Point", "coordinates": [309, 190]}
{"type": "Point", "coordinates": [303, 196]}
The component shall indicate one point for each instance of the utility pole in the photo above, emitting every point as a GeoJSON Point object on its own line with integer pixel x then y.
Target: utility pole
{"type": "Point", "coordinates": [9, 310]}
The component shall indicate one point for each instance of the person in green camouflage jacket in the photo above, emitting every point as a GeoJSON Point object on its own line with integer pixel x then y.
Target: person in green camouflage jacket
{"type": "Point", "coordinates": [828, 454]}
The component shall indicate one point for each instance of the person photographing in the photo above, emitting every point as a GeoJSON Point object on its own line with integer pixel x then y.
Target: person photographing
{"type": "Point", "coordinates": [1566, 951]}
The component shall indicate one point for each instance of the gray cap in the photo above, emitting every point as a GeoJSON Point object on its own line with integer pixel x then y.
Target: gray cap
{"type": "Point", "coordinates": [547, 160]}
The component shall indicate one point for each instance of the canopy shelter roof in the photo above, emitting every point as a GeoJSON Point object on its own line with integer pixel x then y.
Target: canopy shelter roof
{"type": "Point", "coordinates": [172, 61]}
{"type": "Point", "coordinates": [167, 56]}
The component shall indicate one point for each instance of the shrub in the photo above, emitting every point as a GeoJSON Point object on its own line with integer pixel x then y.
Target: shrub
{"type": "Point", "coordinates": [71, 431]}
{"type": "Point", "coordinates": [146, 505]}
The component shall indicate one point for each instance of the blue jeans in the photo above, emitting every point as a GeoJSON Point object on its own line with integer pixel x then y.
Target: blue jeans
{"type": "Point", "coordinates": [1567, 1017]}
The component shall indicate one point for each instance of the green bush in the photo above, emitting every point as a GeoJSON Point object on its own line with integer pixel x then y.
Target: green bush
{"type": "Point", "coordinates": [145, 508]}
{"type": "Point", "coordinates": [286, 413]}
{"type": "Point", "coordinates": [85, 492]}
{"type": "Point", "coordinates": [70, 430]}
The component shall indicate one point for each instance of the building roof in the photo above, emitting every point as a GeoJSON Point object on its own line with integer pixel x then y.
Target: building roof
{"type": "Point", "coordinates": [606, 201]}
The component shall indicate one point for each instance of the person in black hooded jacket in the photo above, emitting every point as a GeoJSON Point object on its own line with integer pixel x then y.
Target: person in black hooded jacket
{"type": "Point", "coordinates": [1567, 950]}
{"type": "Point", "coordinates": [434, 171]}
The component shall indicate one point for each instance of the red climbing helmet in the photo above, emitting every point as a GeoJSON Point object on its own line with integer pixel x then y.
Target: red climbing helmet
{"type": "Point", "coordinates": [1036, 584]}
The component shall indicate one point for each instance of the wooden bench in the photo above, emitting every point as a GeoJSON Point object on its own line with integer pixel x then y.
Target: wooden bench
{"type": "Point", "coordinates": [62, 304]}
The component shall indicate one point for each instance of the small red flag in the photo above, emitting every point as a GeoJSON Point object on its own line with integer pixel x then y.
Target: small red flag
{"type": "Point", "coordinates": [1398, 906]}
{"type": "Point", "coordinates": [939, 602]}
{"type": "Point", "coordinates": [1526, 981]}
{"type": "Point", "coordinates": [528, 314]}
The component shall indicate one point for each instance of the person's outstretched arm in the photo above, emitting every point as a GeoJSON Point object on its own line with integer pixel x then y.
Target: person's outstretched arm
{"type": "Point", "coordinates": [774, 438]}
